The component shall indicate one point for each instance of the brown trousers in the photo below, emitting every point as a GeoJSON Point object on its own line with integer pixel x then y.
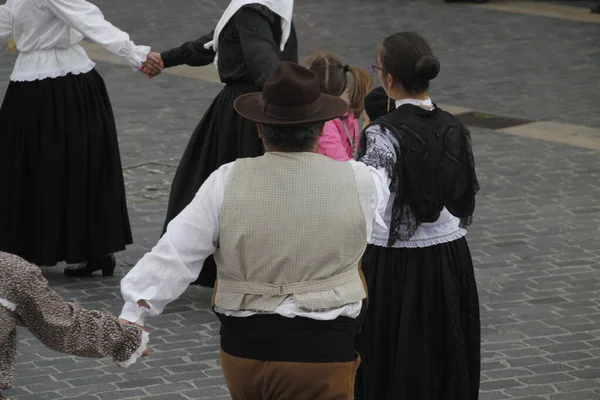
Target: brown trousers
{"type": "Point", "coordinates": [273, 380]}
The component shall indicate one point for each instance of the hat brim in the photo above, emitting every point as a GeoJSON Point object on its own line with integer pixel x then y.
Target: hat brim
{"type": "Point", "coordinates": [248, 106]}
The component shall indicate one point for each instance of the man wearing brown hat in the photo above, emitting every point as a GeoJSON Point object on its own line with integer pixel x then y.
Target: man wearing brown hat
{"type": "Point", "coordinates": [287, 230]}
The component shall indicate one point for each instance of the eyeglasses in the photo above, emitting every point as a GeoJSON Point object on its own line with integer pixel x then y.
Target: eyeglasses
{"type": "Point", "coordinates": [376, 67]}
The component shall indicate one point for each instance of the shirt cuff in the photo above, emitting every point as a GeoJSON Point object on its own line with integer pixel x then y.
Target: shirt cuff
{"type": "Point", "coordinates": [137, 56]}
{"type": "Point", "coordinates": [133, 313]}
{"type": "Point", "coordinates": [138, 353]}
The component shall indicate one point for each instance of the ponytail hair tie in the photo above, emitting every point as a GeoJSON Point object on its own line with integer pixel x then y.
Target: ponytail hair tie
{"type": "Point", "coordinates": [346, 68]}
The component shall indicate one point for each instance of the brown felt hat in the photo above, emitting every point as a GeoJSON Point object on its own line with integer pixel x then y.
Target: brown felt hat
{"type": "Point", "coordinates": [291, 96]}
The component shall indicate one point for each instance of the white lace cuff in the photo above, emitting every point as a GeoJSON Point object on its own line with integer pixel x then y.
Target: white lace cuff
{"type": "Point", "coordinates": [138, 353]}
{"type": "Point", "coordinates": [133, 313]}
{"type": "Point", "coordinates": [137, 57]}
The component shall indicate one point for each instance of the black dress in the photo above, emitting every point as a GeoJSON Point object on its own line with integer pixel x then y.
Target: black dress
{"type": "Point", "coordinates": [249, 52]}
{"type": "Point", "coordinates": [420, 338]}
{"type": "Point", "coordinates": [63, 195]}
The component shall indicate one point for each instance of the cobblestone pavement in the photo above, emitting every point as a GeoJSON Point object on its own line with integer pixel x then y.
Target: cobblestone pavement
{"type": "Point", "coordinates": [535, 237]}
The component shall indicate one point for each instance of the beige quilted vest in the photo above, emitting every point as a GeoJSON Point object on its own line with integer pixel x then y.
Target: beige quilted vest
{"type": "Point", "coordinates": [291, 224]}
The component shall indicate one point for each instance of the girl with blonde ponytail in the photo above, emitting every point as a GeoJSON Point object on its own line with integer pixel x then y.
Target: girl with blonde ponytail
{"type": "Point", "coordinates": [341, 136]}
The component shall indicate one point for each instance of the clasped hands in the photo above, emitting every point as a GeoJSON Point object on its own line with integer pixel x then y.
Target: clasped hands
{"type": "Point", "coordinates": [141, 303]}
{"type": "Point", "coordinates": [153, 65]}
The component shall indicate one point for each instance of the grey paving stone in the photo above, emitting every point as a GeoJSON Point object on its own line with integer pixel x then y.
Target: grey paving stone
{"type": "Point", "coordinates": [177, 369]}
{"type": "Point", "coordinates": [170, 396]}
{"type": "Point", "coordinates": [31, 371]}
{"type": "Point", "coordinates": [584, 395]}
{"type": "Point", "coordinates": [72, 375]}
{"type": "Point", "coordinates": [34, 380]}
{"type": "Point", "coordinates": [549, 368]}
{"type": "Point", "coordinates": [508, 373]}
{"type": "Point", "coordinates": [40, 396]}
{"type": "Point", "coordinates": [208, 382]}
{"type": "Point", "coordinates": [170, 388]}
{"type": "Point", "coordinates": [500, 384]}
{"type": "Point", "coordinates": [122, 394]}
{"type": "Point", "coordinates": [209, 392]}
{"type": "Point", "coordinates": [84, 398]}
{"type": "Point", "coordinates": [91, 380]}
{"type": "Point", "coordinates": [46, 386]}
{"type": "Point", "coordinates": [11, 393]}
{"type": "Point", "coordinates": [571, 357]}
{"type": "Point", "coordinates": [547, 379]}
{"type": "Point", "coordinates": [88, 390]}
{"type": "Point", "coordinates": [138, 383]}
{"type": "Point", "coordinates": [586, 374]}
{"type": "Point", "coordinates": [531, 390]}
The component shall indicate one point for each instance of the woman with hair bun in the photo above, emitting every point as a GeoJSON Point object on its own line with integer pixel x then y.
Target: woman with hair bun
{"type": "Point", "coordinates": [421, 335]}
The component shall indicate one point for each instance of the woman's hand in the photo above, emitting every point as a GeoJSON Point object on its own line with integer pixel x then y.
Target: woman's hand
{"type": "Point", "coordinates": [125, 322]}
{"type": "Point", "coordinates": [153, 65]}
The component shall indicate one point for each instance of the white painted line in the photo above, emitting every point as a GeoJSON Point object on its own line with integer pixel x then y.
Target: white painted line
{"type": "Point", "coordinates": [455, 110]}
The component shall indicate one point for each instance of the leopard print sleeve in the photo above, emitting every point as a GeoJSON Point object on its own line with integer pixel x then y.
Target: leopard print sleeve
{"type": "Point", "coordinates": [70, 328]}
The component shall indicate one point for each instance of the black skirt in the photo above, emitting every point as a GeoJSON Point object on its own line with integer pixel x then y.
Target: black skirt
{"type": "Point", "coordinates": [63, 196]}
{"type": "Point", "coordinates": [421, 335]}
{"type": "Point", "coordinates": [222, 136]}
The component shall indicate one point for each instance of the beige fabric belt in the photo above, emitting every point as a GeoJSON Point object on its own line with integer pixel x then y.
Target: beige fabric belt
{"type": "Point", "coordinates": [266, 289]}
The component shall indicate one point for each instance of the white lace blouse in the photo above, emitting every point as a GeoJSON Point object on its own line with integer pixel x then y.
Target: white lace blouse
{"type": "Point", "coordinates": [47, 33]}
{"type": "Point", "coordinates": [380, 154]}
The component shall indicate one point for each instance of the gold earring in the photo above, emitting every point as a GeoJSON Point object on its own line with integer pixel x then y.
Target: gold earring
{"type": "Point", "coordinates": [389, 99]}
{"type": "Point", "coordinates": [12, 47]}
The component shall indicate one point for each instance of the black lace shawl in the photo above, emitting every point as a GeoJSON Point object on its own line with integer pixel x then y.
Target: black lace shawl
{"type": "Point", "coordinates": [429, 159]}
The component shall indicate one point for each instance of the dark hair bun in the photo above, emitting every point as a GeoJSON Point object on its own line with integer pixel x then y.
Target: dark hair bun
{"type": "Point", "coordinates": [428, 67]}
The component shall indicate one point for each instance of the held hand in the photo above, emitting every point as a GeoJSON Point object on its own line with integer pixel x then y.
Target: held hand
{"type": "Point", "coordinates": [125, 322]}
{"type": "Point", "coordinates": [151, 72]}
{"type": "Point", "coordinates": [153, 65]}
{"type": "Point", "coordinates": [142, 304]}
{"type": "Point", "coordinates": [156, 60]}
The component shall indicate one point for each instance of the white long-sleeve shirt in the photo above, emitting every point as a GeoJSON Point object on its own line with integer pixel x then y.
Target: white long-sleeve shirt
{"type": "Point", "coordinates": [47, 33]}
{"type": "Point", "coordinates": [163, 274]}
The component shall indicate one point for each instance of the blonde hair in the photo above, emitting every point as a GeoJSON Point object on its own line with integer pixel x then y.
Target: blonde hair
{"type": "Point", "coordinates": [331, 72]}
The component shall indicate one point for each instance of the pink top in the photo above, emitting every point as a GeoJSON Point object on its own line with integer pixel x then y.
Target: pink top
{"type": "Point", "coordinates": [335, 143]}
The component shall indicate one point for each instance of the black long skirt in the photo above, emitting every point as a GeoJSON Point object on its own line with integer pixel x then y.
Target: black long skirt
{"type": "Point", "coordinates": [420, 338]}
{"type": "Point", "coordinates": [63, 196]}
{"type": "Point", "coordinates": [222, 136]}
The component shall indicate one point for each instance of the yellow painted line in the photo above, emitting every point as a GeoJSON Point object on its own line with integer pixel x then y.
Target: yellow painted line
{"type": "Point", "coordinates": [455, 110]}
{"type": "Point", "coordinates": [543, 10]}
{"type": "Point", "coordinates": [572, 135]}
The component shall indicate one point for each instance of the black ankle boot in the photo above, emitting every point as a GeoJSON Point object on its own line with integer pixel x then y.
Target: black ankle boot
{"type": "Point", "coordinates": [105, 264]}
